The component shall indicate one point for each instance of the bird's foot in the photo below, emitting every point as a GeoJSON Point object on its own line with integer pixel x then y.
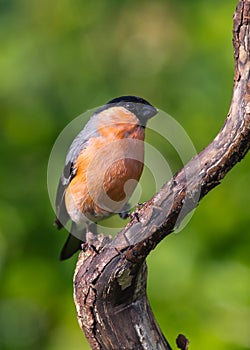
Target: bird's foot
{"type": "Point", "coordinates": [124, 214]}
{"type": "Point", "coordinates": [95, 241]}
{"type": "Point", "coordinates": [134, 214]}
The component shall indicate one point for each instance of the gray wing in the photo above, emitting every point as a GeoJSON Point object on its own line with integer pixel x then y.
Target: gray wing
{"type": "Point", "coordinates": [79, 143]}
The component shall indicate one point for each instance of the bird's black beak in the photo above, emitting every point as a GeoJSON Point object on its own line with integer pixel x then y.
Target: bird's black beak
{"type": "Point", "coordinates": [148, 112]}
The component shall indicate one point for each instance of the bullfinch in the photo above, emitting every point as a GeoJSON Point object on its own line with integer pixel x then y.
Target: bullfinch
{"type": "Point", "coordinates": [103, 166]}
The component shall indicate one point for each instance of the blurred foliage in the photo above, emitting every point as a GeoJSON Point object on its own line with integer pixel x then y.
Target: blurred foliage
{"type": "Point", "coordinates": [61, 58]}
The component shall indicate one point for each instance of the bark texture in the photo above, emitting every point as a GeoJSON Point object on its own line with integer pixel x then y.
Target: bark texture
{"type": "Point", "coordinates": [110, 276]}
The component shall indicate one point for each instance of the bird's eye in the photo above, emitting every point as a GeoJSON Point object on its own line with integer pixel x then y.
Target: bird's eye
{"type": "Point", "coordinates": [130, 106]}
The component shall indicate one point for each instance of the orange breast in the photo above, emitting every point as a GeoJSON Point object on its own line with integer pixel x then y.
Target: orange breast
{"type": "Point", "coordinates": [107, 173]}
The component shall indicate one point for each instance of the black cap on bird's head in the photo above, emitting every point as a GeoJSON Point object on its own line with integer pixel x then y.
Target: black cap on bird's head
{"type": "Point", "coordinates": [137, 105]}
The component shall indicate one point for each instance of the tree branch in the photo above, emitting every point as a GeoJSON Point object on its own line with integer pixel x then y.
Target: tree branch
{"type": "Point", "coordinates": [110, 277]}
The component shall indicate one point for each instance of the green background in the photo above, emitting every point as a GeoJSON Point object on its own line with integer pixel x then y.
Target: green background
{"type": "Point", "coordinates": [60, 58]}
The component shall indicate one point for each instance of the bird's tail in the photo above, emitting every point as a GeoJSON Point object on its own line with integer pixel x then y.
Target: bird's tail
{"type": "Point", "coordinates": [71, 246]}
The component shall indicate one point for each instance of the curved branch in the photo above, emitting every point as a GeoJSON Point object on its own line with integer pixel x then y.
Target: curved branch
{"type": "Point", "coordinates": [110, 277]}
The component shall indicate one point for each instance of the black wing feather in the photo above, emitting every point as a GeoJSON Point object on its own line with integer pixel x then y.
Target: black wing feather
{"type": "Point", "coordinates": [62, 215]}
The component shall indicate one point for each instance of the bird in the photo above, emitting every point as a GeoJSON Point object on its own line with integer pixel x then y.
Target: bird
{"type": "Point", "coordinates": [103, 166]}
